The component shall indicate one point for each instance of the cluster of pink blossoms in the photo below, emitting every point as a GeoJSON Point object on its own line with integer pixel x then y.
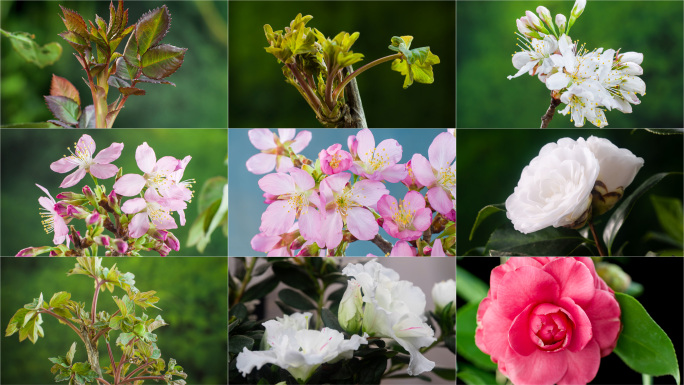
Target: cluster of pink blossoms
{"type": "Point", "coordinates": [139, 224]}
{"type": "Point", "coordinates": [319, 208]}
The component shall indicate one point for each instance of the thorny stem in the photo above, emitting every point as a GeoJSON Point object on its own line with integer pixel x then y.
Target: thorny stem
{"type": "Point", "coordinates": [598, 245]}
{"type": "Point", "coordinates": [383, 244]}
{"type": "Point", "coordinates": [546, 119]}
{"type": "Point", "coordinates": [245, 280]}
{"type": "Point", "coordinates": [360, 70]}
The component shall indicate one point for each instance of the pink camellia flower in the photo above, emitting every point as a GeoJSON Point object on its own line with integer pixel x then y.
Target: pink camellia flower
{"type": "Point", "coordinates": [439, 174]}
{"type": "Point", "coordinates": [52, 220]}
{"type": "Point", "coordinates": [82, 158]}
{"type": "Point", "coordinates": [376, 163]}
{"type": "Point", "coordinates": [158, 173]}
{"type": "Point", "coordinates": [335, 160]}
{"type": "Point", "coordinates": [273, 147]}
{"type": "Point", "coordinates": [407, 219]}
{"type": "Point", "coordinates": [548, 320]}
{"type": "Point", "coordinates": [154, 208]}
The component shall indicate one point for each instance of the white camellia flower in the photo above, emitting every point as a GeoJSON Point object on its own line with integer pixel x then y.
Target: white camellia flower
{"type": "Point", "coordinates": [555, 188]}
{"type": "Point", "coordinates": [443, 293]}
{"type": "Point", "coordinates": [394, 309]}
{"type": "Point", "coordinates": [298, 350]}
{"type": "Point", "coordinates": [569, 181]}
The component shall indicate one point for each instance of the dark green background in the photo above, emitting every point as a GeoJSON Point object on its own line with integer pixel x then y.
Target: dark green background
{"type": "Point", "coordinates": [486, 98]}
{"type": "Point", "coordinates": [198, 100]}
{"type": "Point", "coordinates": [260, 97]}
{"type": "Point", "coordinates": [489, 164]}
{"type": "Point", "coordinates": [192, 293]}
{"type": "Point", "coordinates": [27, 155]}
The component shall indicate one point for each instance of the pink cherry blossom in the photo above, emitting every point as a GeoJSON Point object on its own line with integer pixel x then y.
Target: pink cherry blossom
{"type": "Point", "coordinates": [410, 181]}
{"type": "Point", "coordinates": [154, 208]}
{"type": "Point", "coordinates": [548, 320]}
{"type": "Point", "coordinates": [274, 149]}
{"type": "Point", "coordinates": [342, 204]}
{"type": "Point", "coordinates": [276, 245]}
{"type": "Point", "coordinates": [335, 160]}
{"type": "Point", "coordinates": [158, 174]}
{"type": "Point", "coordinates": [439, 174]}
{"type": "Point", "coordinates": [407, 219]}
{"type": "Point", "coordinates": [294, 192]}
{"type": "Point", "coordinates": [82, 158]}
{"type": "Point", "coordinates": [377, 163]}
{"type": "Point", "coordinates": [402, 249]}
{"type": "Point", "coordinates": [52, 221]}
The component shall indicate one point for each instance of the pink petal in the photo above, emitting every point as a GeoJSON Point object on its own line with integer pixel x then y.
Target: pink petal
{"type": "Point", "coordinates": [366, 145]}
{"type": "Point", "coordinates": [524, 286]}
{"type": "Point", "coordinates": [283, 164]}
{"type": "Point", "coordinates": [423, 219]}
{"type": "Point", "coordinates": [286, 134]}
{"type": "Point", "coordinates": [103, 171]}
{"type": "Point", "coordinates": [500, 271]}
{"type": "Point", "coordinates": [395, 173]}
{"type": "Point", "coordinates": [302, 179]}
{"type": "Point", "coordinates": [134, 205]}
{"type": "Point", "coordinates": [139, 224]}
{"type": "Point", "coordinates": [574, 278]}
{"type": "Point", "coordinates": [422, 170]}
{"type": "Point", "coordinates": [331, 230]}
{"type": "Point", "coordinates": [368, 192]}
{"type": "Point", "coordinates": [74, 178]}
{"type": "Point", "coordinates": [129, 185]}
{"type": "Point", "coordinates": [604, 313]}
{"type": "Point", "coordinates": [495, 336]}
{"type": "Point", "coordinates": [538, 368]}
{"type": "Point", "coordinates": [167, 165]}
{"type": "Point", "coordinates": [390, 150]}
{"type": "Point", "coordinates": [361, 223]}
{"type": "Point", "coordinates": [442, 151]}
{"type": "Point", "coordinates": [402, 249]}
{"type": "Point", "coordinates": [387, 206]}
{"type": "Point", "coordinates": [63, 165]}
{"type": "Point", "coordinates": [261, 138]}
{"type": "Point", "coordinates": [87, 143]}
{"type": "Point", "coordinates": [407, 234]}
{"type": "Point", "coordinates": [338, 181]}
{"type": "Point", "coordinates": [145, 157]}
{"type": "Point", "coordinates": [60, 229]}
{"type": "Point", "coordinates": [437, 249]}
{"type": "Point", "coordinates": [301, 141]}
{"type": "Point", "coordinates": [277, 184]}
{"type": "Point", "coordinates": [109, 154]}
{"type": "Point", "coordinates": [277, 218]}
{"type": "Point", "coordinates": [264, 243]}
{"type": "Point", "coordinates": [309, 224]}
{"type": "Point", "coordinates": [47, 204]}
{"type": "Point", "coordinates": [519, 333]}
{"type": "Point", "coordinates": [414, 200]}
{"type": "Point", "coordinates": [261, 163]}
{"type": "Point", "coordinates": [440, 200]}
{"type": "Point", "coordinates": [582, 333]}
{"type": "Point", "coordinates": [164, 220]}
{"type": "Point", "coordinates": [582, 366]}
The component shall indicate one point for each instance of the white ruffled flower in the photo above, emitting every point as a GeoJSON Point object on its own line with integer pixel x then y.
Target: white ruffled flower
{"type": "Point", "coordinates": [443, 293]}
{"type": "Point", "coordinates": [298, 350]}
{"type": "Point", "coordinates": [394, 309]}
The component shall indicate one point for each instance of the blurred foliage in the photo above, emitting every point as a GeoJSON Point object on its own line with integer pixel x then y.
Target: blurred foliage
{"type": "Point", "coordinates": [489, 163]}
{"type": "Point", "coordinates": [21, 225]}
{"type": "Point", "coordinates": [192, 296]}
{"type": "Point", "coordinates": [199, 99]}
{"type": "Point", "coordinates": [486, 43]}
{"type": "Point", "coordinates": [260, 97]}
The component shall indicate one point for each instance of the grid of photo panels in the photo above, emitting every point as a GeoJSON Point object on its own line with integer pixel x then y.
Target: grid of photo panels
{"type": "Point", "coordinates": [328, 252]}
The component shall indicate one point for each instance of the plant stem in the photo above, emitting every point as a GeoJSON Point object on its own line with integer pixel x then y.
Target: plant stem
{"type": "Point", "coordinates": [134, 379]}
{"type": "Point", "coordinates": [246, 279]}
{"type": "Point", "coordinates": [546, 119]}
{"type": "Point", "coordinates": [66, 321]}
{"type": "Point", "coordinates": [646, 379]}
{"type": "Point", "coordinates": [598, 244]}
{"type": "Point", "coordinates": [384, 245]}
{"type": "Point", "coordinates": [102, 380]}
{"type": "Point", "coordinates": [356, 73]}
{"type": "Point", "coordinates": [94, 305]}
{"type": "Point", "coordinates": [357, 115]}
{"type": "Point", "coordinates": [138, 369]}
{"type": "Point", "coordinates": [313, 100]}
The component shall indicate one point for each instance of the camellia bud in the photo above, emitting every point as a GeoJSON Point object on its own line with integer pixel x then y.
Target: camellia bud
{"type": "Point", "coordinates": [614, 276]}
{"type": "Point", "coordinates": [443, 293]}
{"type": "Point", "coordinates": [351, 308]}
{"type": "Point", "coordinates": [561, 22]}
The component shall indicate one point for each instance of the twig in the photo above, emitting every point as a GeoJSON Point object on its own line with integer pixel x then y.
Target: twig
{"type": "Point", "coordinates": [383, 244]}
{"type": "Point", "coordinates": [357, 118]}
{"type": "Point", "coordinates": [546, 119]}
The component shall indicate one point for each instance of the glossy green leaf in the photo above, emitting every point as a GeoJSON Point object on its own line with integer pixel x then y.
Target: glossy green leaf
{"type": "Point", "coordinates": [466, 323]}
{"type": "Point", "coordinates": [239, 311]}
{"type": "Point", "coordinates": [669, 212]}
{"type": "Point", "coordinates": [483, 214]}
{"type": "Point", "coordinates": [162, 60]}
{"type": "Point", "coordinates": [63, 108]}
{"type": "Point", "coordinates": [622, 211]}
{"type": "Point", "coordinates": [474, 376]}
{"type": "Point", "coordinates": [125, 305]}
{"type": "Point", "coordinates": [330, 320]}
{"type": "Point", "coordinates": [59, 299]}
{"type": "Point", "coordinates": [260, 289]}
{"type": "Point", "coordinates": [27, 48]}
{"type": "Point", "coordinates": [642, 344]}
{"type": "Point", "coordinates": [550, 241]}
{"type": "Point", "coordinates": [469, 287]}
{"type": "Point", "coordinates": [151, 28]}
{"type": "Point", "coordinates": [295, 299]}
{"type": "Point", "coordinates": [16, 322]}
{"type": "Point", "coordinates": [445, 373]}
{"type": "Point", "coordinates": [239, 342]}
{"type": "Point", "coordinates": [131, 56]}
{"type": "Point", "coordinates": [294, 276]}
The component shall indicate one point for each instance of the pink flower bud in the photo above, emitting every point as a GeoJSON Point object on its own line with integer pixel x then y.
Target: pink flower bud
{"type": "Point", "coordinates": [163, 250]}
{"type": "Point", "coordinates": [77, 212]}
{"type": "Point", "coordinates": [113, 200]}
{"type": "Point", "coordinates": [93, 218]}
{"type": "Point", "coordinates": [102, 240]}
{"type": "Point", "coordinates": [61, 208]}
{"type": "Point", "coordinates": [172, 242]}
{"type": "Point", "coordinates": [158, 234]}
{"type": "Point", "coordinates": [427, 250]}
{"type": "Point", "coordinates": [88, 192]}
{"type": "Point", "coordinates": [119, 245]}
{"type": "Point", "coordinates": [334, 160]}
{"type": "Point", "coordinates": [352, 143]}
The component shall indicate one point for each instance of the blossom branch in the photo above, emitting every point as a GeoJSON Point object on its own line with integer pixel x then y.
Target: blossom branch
{"type": "Point", "coordinates": [357, 117]}
{"type": "Point", "coordinates": [382, 243]}
{"type": "Point", "coordinates": [546, 119]}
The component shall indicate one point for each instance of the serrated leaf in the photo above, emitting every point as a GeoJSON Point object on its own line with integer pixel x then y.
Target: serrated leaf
{"type": "Point", "coordinates": [237, 343]}
{"type": "Point", "coordinates": [59, 299]}
{"type": "Point", "coordinates": [151, 28]}
{"type": "Point", "coordinates": [465, 333]}
{"type": "Point", "coordinates": [27, 48]}
{"type": "Point", "coordinates": [550, 241]}
{"type": "Point", "coordinates": [163, 60]}
{"type": "Point", "coordinates": [17, 318]}
{"type": "Point", "coordinates": [63, 108]}
{"type": "Point", "coordinates": [622, 211]}
{"type": "Point", "coordinates": [125, 338]}
{"type": "Point", "coordinates": [70, 354]}
{"type": "Point", "coordinates": [76, 41]}
{"type": "Point", "coordinates": [483, 214]}
{"type": "Point", "coordinates": [131, 91]}
{"type": "Point", "coordinates": [131, 53]}
{"type": "Point", "coordinates": [74, 22]}
{"type": "Point", "coordinates": [125, 305]}
{"type": "Point", "coordinates": [62, 87]}
{"type": "Point", "coordinates": [420, 70]}
{"type": "Point", "coordinates": [669, 212]}
{"type": "Point", "coordinates": [643, 345]}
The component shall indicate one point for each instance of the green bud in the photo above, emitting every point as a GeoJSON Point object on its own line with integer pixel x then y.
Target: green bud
{"type": "Point", "coordinates": [351, 307]}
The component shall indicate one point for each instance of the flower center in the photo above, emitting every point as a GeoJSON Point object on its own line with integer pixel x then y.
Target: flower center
{"type": "Point", "coordinates": [297, 202]}
{"type": "Point", "coordinates": [403, 216]}
{"type": "Point", "coordinates": [48, 221]}
{"type": "Point", "coordinates": [445, 177]}
{"type": "Point", "coordinates": [551, 331]}
{"type": "Point", "coordinates": [156, 212]}
{"type": "Point", "coordinates": [335, 161]}
{"type": "Point", "coordinates": [82, 156]}
{"type": "Point", "coordinates": [378, 159]}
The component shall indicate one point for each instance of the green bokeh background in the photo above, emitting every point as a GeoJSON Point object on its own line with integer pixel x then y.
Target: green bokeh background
{"type": "Point", "coordinates": [27, 155]}
{"type": "Point", "coordinates": [486, 98]}
{"type": "Point", "coordinates": [193, 298]}
{"type": "Point", "coordinates": [489, 164]}
{"type": "Point", "coordinates": [198, 100]}
{"type": "Point", "coordinates": [260, 97]}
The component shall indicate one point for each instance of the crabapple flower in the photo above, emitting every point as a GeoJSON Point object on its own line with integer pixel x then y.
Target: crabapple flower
{"type": "Point", "coordinates": [548, 320]}
{"type": "Point", "coordinates": [82, 157]}
{"type": "Point", "coordinates": [334, 160]}
{"type": "Point", "coordinates": [153, 208]}
{"type": "Point", "coordinates": [439, 174]}
{"type": "Point", "coordinates": [298, 350]}
{"type": "Point", "coordinates": [52, 220]}
{"type": "Point", "coordinates": [158, 174]}
{"type": "Point", "coordinates": [274, 149]}
{"type": "Point", "coordinates": [376, 163]}
{"type": "Point", "coordinates": [294, 192]}
{"type": "Point", "coordinates": [407, 219]}
{"type": "Point", "coordinates": [443, 293]}
{"type": "Point", "coordinates": [394, 309]}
